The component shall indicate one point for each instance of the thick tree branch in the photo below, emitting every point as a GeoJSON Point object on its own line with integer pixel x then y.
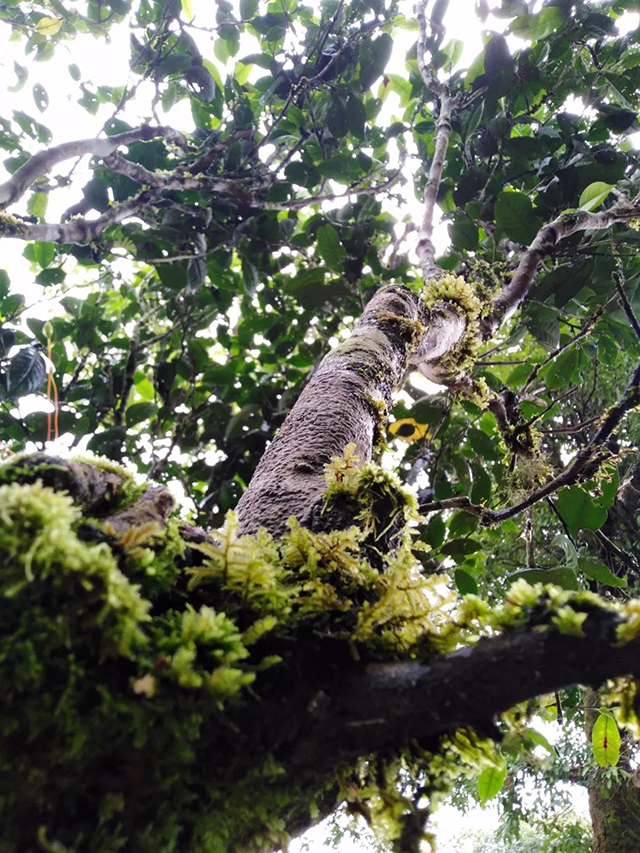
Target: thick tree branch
{"type": "Point", "coordinates": [546, 239]}
{"type": "Point", "coordinates": [386, 705]}
{"type": "Point", "coordinates": [78, 231]}
{"type": "Point", "coordinates": [345, 402]}
{"type": "Point", "coordinates": [44, 161]}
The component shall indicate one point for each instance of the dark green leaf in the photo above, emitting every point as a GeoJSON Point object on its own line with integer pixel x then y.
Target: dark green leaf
{"type": "Point", "coordinates": [373, 59]}
{"type": "Point", "coordinates": [435, 532]}
{"type": "Point", "coordinates": [562, 577]}
{"type": "Point", "coordinates": [601, 573]}
{"type": "Point", "coordinates": [514, 216]}
{"type": "Point", "coordinates": [579, 510]}
{"type": "Point", "coordinates": [484, 446]}
{"type": "Point", "coordinates": [139, 412]}
{"type": "Point", "coordinates": [461, 547]}
{"type": "Point", "coordinates": [330, 248]}
{"type": "Point", "coordinates": [465, 583]}
{"type": "Point", "coordinates": [27, 372]}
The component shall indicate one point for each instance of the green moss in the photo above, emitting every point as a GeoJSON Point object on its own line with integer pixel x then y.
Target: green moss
{"type": "Point", "coordinates": [131, 690]}
{"type": "Point", "coordinates": [463, 297]}
{"type": "Point", "coordinates": [11, 226]}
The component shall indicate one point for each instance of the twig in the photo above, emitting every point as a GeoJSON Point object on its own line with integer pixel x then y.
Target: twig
{"type": "Point", "coordinates": [571, 429]}
{"type": "Point", "coordinates": [587, 457]}
{"type": "Point", "coordinates": [584, 331]}
{"type": "Point", "coordinates": [618, 279]}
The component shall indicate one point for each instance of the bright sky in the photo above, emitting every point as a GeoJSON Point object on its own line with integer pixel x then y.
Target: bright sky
{"type": "Point", "coordinates": [103, 63]}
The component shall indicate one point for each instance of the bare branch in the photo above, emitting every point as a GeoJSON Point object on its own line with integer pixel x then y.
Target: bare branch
{"type": "Point", "coordinates": [546, 239]}
{"type": "Point", "coordinates": [44, 161]}
{"type": "Point", "coordinates": [430, 81]}
{"type": "Point", "coordinates": [78, 231]}
{"type": "Point", "coordinates": [425, 248]}
{"type": "Point", "coordinates": [618, 278]}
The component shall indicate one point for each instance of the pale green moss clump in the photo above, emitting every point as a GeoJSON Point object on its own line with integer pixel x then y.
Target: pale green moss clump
{"type": "Point", "coordinates": [462, 296]}
{"type": "Point", "coordinates": [368, 483]}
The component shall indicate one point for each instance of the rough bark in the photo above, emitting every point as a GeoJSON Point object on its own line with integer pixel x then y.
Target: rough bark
{"type": "Point", "coordinates": [344, 403]}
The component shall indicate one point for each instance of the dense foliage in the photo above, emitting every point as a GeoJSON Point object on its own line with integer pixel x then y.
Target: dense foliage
{"type": "Point", "coordinates": [188, 294]}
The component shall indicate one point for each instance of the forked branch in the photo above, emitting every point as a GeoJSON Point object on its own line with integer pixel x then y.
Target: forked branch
{"type": "Point", "coordinates": [44, 161]}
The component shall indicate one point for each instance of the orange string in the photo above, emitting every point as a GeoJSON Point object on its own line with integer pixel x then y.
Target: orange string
{"type": "Point", "coordinates": [51, 382]}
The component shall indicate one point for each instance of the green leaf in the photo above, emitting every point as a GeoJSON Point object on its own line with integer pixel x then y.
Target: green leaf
{"type": "Point", "coordinates": [483, 445]}
{"type": "Point", "coordinates": [539, 26]}
{"type": "Point", "coordinates": [609, 484]}
{"type": "Point", "coordinates": [561, 370]}
{"type": "Point", "coordinates": [465, 583]}
{"type": "Point", "coordinates": [605, 740]}
{"type": "Point", "coordinates": [187, 10]}
{"type": "Point", "coordinates": [373, 59]}
{"type": "Point", "coordinates": [490, 782]}
{"type": "Point", "coordinates": [37, 204]}
{"type": "Point", "coordinates": [211, 68]}
{"type": "Point", "coordinates": [42, 253]}
{"type": "Point", "coordinates": [340, 168]}
{"type": "Point", "coordinates": [27, 372]}
{"type": "Point", "coordinates": [337, 118]}
{"type": "Point", "coordinates": [461, 547]}
{"type": "Point", "coordinates": [48, 26]}
{"type": "Point", "coordinates": [248, 9]}
{"type": "Point", "coordinates": [464, 233]}
{"type": "Point", "coordinates": [540, 740]}
{"type": "Point", "coordinates": [601, 573]}
{"type": "Point", "coordinates": [40, 97]}
{"type": "Point", "coordinates": [563, 577]}
{"type": "Point", "coordinates": [74, 70]}
{"type": "Point", "coordinates": [22, 73]}
{"type": "Point", "coordinates": [594, 195]}
{"type": "Point", "coordinates": [514, 215]}
{"type": "Point", "coordinates": [482, 484]}
{"type": "Point", "coordinates": [139, 412]}
{"type": "Point", "coordinates": [579, 510]}
{"type": "Point", "coordinates": [435, 532]}
{"type": "Point", "coordinates": [330, 248]}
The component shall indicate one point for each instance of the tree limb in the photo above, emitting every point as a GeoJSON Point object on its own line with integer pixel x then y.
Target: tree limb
{"type": "Point", "coordinates": [44, 161]}
{"type": "Point", "coordinates": [546, 239]}
{"type": "Point", "coordinates": [388, 704]}
{"type": "Point", "coordinates": [425, 248]}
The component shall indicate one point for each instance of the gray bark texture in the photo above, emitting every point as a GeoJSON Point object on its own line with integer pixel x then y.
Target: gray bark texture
{"type": "Point", "coordinates": [345, 402]}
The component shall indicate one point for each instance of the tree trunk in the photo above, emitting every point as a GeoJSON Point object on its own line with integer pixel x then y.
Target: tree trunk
{"type": "Point", "coordinates": [614, 801]}
{"type": "Point", "coordinates": [345, 402]}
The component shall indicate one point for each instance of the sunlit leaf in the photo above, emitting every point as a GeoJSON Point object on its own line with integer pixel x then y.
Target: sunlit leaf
{"type": "Point", "coordinates": [605, 740]}
{"type": "Point", "coordinates": [490, 782]}
{"type": "Point", "coordinates": [594, 195]}
{"type": "Point", "coordinates": [48, 26]}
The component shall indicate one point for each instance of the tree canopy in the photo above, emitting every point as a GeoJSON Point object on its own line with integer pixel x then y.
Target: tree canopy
{"type": "Point", "coordinates": [410, 564]}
